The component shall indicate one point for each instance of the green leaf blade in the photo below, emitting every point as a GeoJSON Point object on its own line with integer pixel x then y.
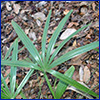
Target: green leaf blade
{"type": "Point", "coordinates": [50, 87]}
{"type": "Point", "coordinates": [4, 96]}
{"type": "Point", "coordinates": [56, 34]}
{"type": "Point", "coordinates": [27, 42]}
{"type": "Point", "coordinates": [8, 52]}
{"type": "Point", "coordinates": [61, 87]}
{"type": "Point", "coordinates": [21, 93]}
{"type": "Point", "coordinates": [13, 69]}
{"type": "Point", "coordinates": [23, 82]}
{"type": "Point", "coordinates": [72, 82]}
{"type": "Point", "coordinates": [64, 42]}
{"type": "Point", "coordinates": [20, 64]}
{"type": "Point", "coordinates": [74, 53]}
{"type": "Point", "coordinates": [4, 91]}
{"type": "Point", "coordinates": [45, 34]}
{"type": "Point", "coordinates": [4, 83]}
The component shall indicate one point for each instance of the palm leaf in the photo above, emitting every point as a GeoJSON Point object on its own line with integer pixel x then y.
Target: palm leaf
{"type": "Point", "coordinates": [4, 83]}
{"type": "Point", "coordinates": [4, 96]}
{"type": "Point", "coordinates": [61, 87]}
{"type": "Point", "coordinates": [64, 42]}
{"type": "Point", "coordinates": [50, 87]}
{"type": "Point", "coordinates": [23, 82]}
{"type": "Point", "coordinates": [21, 93]}
{"type": "Point", "coordinates": [74, 53]}
{"type": "Point", "coordinates": [13, 69]}
{"type": "Point", "coordinates": [27, 42]}
{"type": "Point", "coordinates": [9, 51]}
{"type": "Point", "coordinates": [45, 35]}
{"type": "Point", "coordinates": [20, 64]}
{"type": "Point", "coordinates": [56, 34]}
{"type": "Point", "coordinates": [4, 91]}
{"type": "Point", "coordinates": [72, 82]}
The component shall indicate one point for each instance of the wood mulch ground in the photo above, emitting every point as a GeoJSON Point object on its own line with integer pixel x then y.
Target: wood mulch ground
{"type": "Point", "coordinates": [23, 12]}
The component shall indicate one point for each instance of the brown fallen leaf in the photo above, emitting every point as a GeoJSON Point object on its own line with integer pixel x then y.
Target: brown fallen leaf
{"type": "Point", "coordinates": [77, 60]}
{"type": "Point", "coordinates": [86, 75]}
{"type": "Point", "coordinates": [74, 43]}
{"type": "Point", "coordinates": [76, 76]}
{"type": "Point", "coordinates": [98, 13]}
{"type": "Point", "coordinates": [88, 36]}
{"type": "Point", "coordinates": [65, 51]}
{"type": "Point", "coordinates": [8, 6]}
{"type": "Point", "coordinates": [97, 73]}
{"type": "Point", "coordinates": [16, 7]}
{"type": "Point", "coordinates": [95, 82]}
{"type": "Point", "coordinates": [65, 12]}
{"type": "Point", "coordinates": [48, 40]}
{"type": "Point", "coordinates": [81, 72]}
{"type": "Point", "coordinates": [67, 33]}
{"type": "Point", "coordinates": [72, 23]}
{"type": "Point", "coordinates": [89, 65]}
{"type": "Point", "coordinates": [18, 97]}
{"type": "Point", "coordinates": [5, 49]}
{"type": "Point", "coordinates": [93, 6]}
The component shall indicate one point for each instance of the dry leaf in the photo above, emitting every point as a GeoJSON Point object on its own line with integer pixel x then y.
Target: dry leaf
{"type": "Point", "coordinates": [88, 36]}
{"type": "Point", "coordinates": [42, 3]}
{"type": "Point", "coordinates": [27, 30]}
{"type": "Point", "coordinates": [76, 76]}
{"type": "Point", "coordinates": [39, 15]}
{"type": "Point", "coordinates": [86, 76]}
{"type": "Point", "coordinates": [38, 22]}
{"type": "Point", "coordinates": [72, 23]}
{"type": "Point", "coordinates": [97, 74]}
{"type": "Point", "coordinates": [98, 13]}
{"type": "Point", "coordinates": [8, 6]}
{"type": "Point", "coordinates": [5, 49]}
{"type": "Point", "coordinates": [32, 36]}
{"type": "Point", "coordinates": [16, 8]}
{"type": "Point", "coordinates": [13, 2]}
{"type": "Point", "coordinates": [18, 97]}
{"type": "Point", "coordinates": [81, 72]}
{"type": "Point", "coordinates": [67, 33]}
{"type": "Point", "coordinates": [66, 12]}
{"type": "Point", "coordinates": [74, 43]}
{"type": "Point", "coordinates": [93, 6]}
{"type": "Point", "coordinates": [77, 60]}
{"type": "Point", "coordinates": [33, 96]}
{"type": "Point", "coordinates": [84, 3]}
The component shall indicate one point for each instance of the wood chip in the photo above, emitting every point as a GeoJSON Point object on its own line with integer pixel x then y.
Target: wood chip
{"type": "Point", "coordinates": [16, 8]}
{"type": "Point", "coordinates": [93, 6]}
{"type": "Point", "coordinates": [66, 12]}
{"type": "Point", "coordinates": [86, 76]}
{"type": "Point", "coordinates": [8, 6]}
{"type": "Point", "coordinates": [74, 43]}
{"type": "Point", "coordinates": [39, 15]}
{"type": "Point", "coordinates": [81, 72]}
